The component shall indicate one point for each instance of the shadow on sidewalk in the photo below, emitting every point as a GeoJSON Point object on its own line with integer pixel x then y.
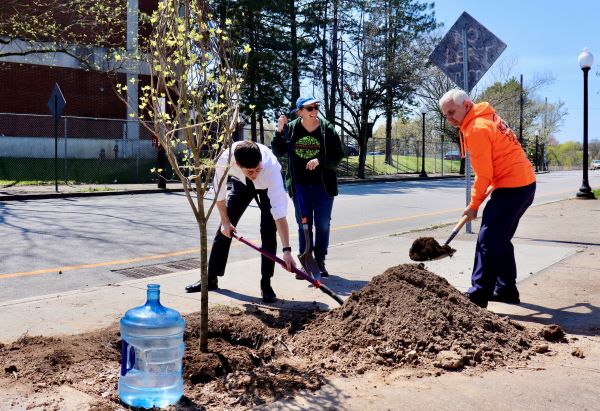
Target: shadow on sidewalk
{"type": "Point", "coordinates": [579, 318]}
{"type": "Point", "coordinates": [342, 286]}
{"type": "Point", "coordinates": [280, 304]}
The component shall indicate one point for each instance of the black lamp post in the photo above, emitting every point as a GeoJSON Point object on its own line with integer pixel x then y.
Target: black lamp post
{"type": "Point", "coordinates": [585, 62]}
{"type": "Point", "coordinates": [537, 160]}
{"type": "Point", "coordinates": [423, 173]}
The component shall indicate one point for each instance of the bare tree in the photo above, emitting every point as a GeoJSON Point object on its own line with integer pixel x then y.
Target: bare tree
{"type": "Point", "coordinates": [191, 103]}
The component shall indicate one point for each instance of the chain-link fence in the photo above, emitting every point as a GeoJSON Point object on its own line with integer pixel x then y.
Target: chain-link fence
{"type": "Point", "coordinates": [441, 157]}
{"type": "Point", "coordinates": [405, 157]}
{"type": "Point", "coordinates": [91, 150]}
{"type": "Point", "coordinates": [87, 150]}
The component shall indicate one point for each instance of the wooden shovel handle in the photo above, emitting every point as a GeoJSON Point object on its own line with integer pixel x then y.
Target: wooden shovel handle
{"type": "Point", "coordinates": [457, 228]}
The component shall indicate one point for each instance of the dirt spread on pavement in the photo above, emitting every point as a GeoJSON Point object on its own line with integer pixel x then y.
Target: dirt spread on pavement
{"type": "Point", "coordinates": [427, 248]}
{"type": "Point", "coordinates": [406, 317]}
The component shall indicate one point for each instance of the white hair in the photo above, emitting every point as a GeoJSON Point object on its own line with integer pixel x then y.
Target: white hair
{"type": "Point", "coordinates": [457, 95]}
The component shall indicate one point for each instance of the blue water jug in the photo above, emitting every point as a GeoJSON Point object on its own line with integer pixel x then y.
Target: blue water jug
{"type": "Point", "coordinates": [151, 354]}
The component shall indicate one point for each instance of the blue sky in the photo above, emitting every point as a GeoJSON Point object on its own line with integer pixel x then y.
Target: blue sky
{"type": "Point", "coordinates": [543, 37]}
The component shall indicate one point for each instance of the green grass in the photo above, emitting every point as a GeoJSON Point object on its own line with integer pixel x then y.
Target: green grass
{"type": "Point", "coordinates": [28, 171]}
{"type": "Point", "coordinates": [375, 165]}
{"type": "Point", "coordinates": [597, 193]}
{"type": "Point", "coordinates": [40, 171]}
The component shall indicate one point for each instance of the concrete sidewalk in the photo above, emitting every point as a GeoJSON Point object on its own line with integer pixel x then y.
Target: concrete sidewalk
{"type": "Point", "coordinates": [557, 248]}
{"type": "Point", "coordinates": [564, 289]}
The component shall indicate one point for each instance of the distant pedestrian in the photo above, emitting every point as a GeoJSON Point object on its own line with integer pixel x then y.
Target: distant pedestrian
{"type": "Point", "coordinates": [317, 151]}
{"type": "Point", "coordinates": [255, 174]}
{"type": "Point", "coordinates": [502, 169]}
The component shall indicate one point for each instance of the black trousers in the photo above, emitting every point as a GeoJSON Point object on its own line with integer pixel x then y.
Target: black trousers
{"type": "Point", "coordinates": [494, 267]}
{"type": "Point", "coordinates": [238, 200]}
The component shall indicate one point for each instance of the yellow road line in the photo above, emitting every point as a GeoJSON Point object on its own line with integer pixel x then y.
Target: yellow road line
{"type": "Point", "coordinates": [95, 265]}
{"type": "Point", "coordinates": [195, 250]}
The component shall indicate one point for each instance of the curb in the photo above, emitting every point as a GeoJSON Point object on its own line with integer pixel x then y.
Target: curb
{"type": "Point", "coordinates": [45, 196]}
{"type": "Point", "coordinates": [341, 181]}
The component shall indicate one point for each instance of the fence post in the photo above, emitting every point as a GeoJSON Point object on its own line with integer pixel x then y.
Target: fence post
{"type": "Point", "coordinates": [66, 161]}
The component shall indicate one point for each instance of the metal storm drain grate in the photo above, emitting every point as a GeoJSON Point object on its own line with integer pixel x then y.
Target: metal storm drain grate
{"type": "Point", "coordinates": [159, 269]}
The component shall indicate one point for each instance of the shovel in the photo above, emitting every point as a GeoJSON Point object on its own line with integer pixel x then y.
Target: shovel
{"type": "Point", "coordinates": [427, 248]}
{"type": "Point", "coordinates": [306, 258]}
{"type": "Point", "coordinates": [316, 283]}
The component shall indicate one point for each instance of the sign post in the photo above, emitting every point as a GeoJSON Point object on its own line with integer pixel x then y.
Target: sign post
{"type": "Point", "coordinates": [56, 104]}
{"type": "Point", "coordinates": [465, 54]}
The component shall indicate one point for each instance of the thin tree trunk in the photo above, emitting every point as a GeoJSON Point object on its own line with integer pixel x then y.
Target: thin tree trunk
{"type": "Point", "coordinates": [261, 127]}
{"type": "Point", "coordinates": [324, 58]}
{"type": "Point", "coordinates": [330, 110]}
{"type": "Point", "coordinates": [295, 64]}
{"type": "Point", "coordinates": [203, 273]}
{"type": "Point", "coordinates": [253, 133]}
{"type": "Point", "coordinates": [389, 98]}
{"type": "Point", "coordinates": [253, 69]}
{"type": "Point", "coordinates": [364, 112]}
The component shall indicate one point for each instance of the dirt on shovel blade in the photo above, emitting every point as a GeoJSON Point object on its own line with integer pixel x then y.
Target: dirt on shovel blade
{"type": "Point", "coordinates": [427, 248]}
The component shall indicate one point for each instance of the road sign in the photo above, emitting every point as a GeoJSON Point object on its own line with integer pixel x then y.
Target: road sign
{"type": "Point", "coordinates": [57, 102]}
{"type": "Point", "coordinates": [483, 49]}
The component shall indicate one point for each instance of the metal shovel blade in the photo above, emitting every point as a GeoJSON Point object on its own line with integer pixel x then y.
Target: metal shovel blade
{"type": "Point", "coordinates": [310, 265]}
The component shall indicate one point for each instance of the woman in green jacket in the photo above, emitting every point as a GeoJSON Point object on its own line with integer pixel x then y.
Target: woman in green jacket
{"type": "Point", "coordinates": [316, 150]}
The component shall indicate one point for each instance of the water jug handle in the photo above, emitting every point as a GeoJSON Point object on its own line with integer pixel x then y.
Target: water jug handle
{"type": "Point", "coordinates": [127, 357]}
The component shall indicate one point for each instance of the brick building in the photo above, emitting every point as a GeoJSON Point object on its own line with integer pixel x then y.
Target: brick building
{"type": "Point", "coordinates": [28, 79]}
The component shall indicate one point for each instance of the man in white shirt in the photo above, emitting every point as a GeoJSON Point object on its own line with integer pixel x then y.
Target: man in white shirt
{"type": "Point", "coordinates": [256, 174]}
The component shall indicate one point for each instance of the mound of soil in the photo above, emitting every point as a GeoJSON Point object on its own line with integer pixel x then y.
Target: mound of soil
{"type": "Point", "coordinates": [247, 363]}
{"type": "Point", "coordinates": [410, 316]}
{"type": "Point", "coordinates": [427, 248]}
{"type": "Point", "coordinates": [406, 317]}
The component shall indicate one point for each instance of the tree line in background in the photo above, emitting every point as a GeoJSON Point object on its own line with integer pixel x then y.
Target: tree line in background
{"type": "Point", "coordinates": [365, 60]}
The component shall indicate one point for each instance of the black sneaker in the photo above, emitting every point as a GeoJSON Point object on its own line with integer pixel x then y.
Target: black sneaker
{"type": "Point", "coordinates": [268, 295]}
{"type": "Point", "coordinates": [213, 284]}
{"type": "Point", "coordinates": [476, 299]}
{"type": "Point", "coordinates": [506, 298]}
{"type": "Point", "coordinates": [322, 269]}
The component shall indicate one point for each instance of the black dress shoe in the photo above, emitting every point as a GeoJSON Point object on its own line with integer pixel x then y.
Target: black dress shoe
{"type": "Point", "coordinates": [477, 299]}
{"type": "Point", "coordinates": [213, 284]}
{"type": "Point", "coordinates": [506, 298]}
{"type": "Point", "coordinates": [268, 295]}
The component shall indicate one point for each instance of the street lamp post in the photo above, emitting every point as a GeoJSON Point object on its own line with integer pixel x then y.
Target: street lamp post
{"type": "Point", "coordinates": [585, 62]}
{"type": "Point", "coordinates": [423, 173]}
{"type": "Point", "coordinates": [537, 160]}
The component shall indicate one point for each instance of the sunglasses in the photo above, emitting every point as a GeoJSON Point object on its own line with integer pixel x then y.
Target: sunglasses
{"type": "Point", "coordinates": [311, 108]}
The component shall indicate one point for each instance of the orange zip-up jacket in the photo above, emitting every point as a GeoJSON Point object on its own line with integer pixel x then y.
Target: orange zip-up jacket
{"type": "Point", "coordinates": [496, 155]}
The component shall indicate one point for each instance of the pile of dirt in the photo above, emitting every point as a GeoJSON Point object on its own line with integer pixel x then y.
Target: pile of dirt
{"type": "Point", "coordinates": [427, 248]}
{"type": "Point", "coordinates": [408, 316]}
{"type": "Point", "coordinates": [247, 364]}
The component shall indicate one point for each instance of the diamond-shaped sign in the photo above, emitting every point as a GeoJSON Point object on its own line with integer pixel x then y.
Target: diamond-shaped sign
{"type": "Point", "coordinates": [483, 50]}
{"type": "Point", "coordinates": [57, 102]}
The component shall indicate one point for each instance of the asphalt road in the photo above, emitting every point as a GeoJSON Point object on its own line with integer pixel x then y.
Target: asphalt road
{"type": "Point", "coordinates": [57, 245]}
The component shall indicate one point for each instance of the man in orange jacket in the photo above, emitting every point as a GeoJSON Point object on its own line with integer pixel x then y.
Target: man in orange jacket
{"type": "Point", "coordinates": [502, 169]}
